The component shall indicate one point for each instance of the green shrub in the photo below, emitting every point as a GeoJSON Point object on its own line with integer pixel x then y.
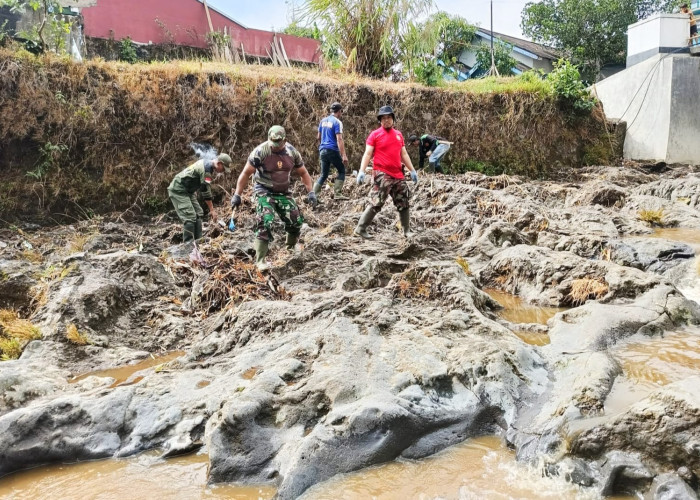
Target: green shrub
{"type": "Point", "coordinates": [429, 73]}
{"type": "Point", "coordinates": [568, 87]}
{"type": "Point", "coordinates": [127, 51]}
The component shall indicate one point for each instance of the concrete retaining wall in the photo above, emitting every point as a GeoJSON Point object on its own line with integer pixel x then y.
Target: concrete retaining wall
{"type": "Point", "coordinates": [657, 99]}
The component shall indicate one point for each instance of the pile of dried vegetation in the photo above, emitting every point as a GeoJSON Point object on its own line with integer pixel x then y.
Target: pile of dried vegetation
{"type": "Point", "coordinates": [221, 279]}
{"type": "Point", "coordinates": [15, 333]}
{"type": "Point", "coordinates": [98, 136]}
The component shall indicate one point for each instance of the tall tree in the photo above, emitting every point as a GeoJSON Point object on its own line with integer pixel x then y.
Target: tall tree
{"type": "Point", "coordinates": [367, 32]}
{"type": "Point", "coordinates": [592, 33]}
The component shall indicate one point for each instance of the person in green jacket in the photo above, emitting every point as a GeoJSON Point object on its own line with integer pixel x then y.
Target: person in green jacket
{"type": "Point", "coordinates": [183, 193]}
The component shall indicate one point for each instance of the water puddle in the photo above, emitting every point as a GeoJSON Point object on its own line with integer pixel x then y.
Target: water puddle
{"type": "Point", "coordinates": [142, 477]}
{"type": "Point", "coordinates": [516, 310]}
{"type": "Point", "coordinates": [476, 469]}
{"type": "Point", "coordinates": [532, 338]}
{"type": "Point", "coordinates": [122, 374]}
{"type": "Point", "coordinates": [647, 364]}
{"type": "Point", "coordinates": [250, 372]}
{"type": "Point", "coordinates": [688, 236]}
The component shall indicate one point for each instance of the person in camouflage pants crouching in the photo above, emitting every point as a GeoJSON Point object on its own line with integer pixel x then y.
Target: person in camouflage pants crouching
{"type": "Point", "coordinates": [183, 193]}
{"type": "Point", "coordinates": [273, 163]}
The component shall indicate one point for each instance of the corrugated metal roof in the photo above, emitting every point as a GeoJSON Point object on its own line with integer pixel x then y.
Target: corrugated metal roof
{"type": "Point", "coordinates": [538, 49]}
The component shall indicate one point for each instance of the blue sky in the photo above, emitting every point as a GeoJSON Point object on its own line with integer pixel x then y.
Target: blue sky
{"type": "Point", "coordinates": [268, 14]}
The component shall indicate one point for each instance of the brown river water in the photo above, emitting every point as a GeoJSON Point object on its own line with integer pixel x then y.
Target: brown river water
{"type": "Point", "coordinates": [144, 477]}
{"type": "Point", "coordinates": [480, 468]}
{"type": "Point", "coordinates": [650, 363]}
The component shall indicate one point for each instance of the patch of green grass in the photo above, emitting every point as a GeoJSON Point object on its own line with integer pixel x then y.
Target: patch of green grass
{"type": "Point", "coordinates": [10, 349]}
{"type": "Point", "coordinates": [504, 85]}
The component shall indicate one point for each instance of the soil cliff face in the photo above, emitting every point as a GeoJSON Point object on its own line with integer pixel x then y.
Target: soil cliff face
{"type": "Point", "coordinates": [103, 136]}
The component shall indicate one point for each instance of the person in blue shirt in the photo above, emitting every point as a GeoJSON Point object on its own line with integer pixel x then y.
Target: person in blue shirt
{"type": "Point", "coordinates": [332, 150]}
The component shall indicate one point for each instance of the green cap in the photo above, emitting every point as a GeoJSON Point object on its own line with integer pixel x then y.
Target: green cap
{"type": "Point", "coordinates": [226, 160]}
{"type": "Point", "coordinates": [277, 136]}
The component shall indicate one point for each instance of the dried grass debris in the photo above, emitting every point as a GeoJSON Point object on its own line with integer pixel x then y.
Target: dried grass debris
{"type": "Point", "coordinates": [74, 336]}
{"type": "Point", "coordinates": [415, 284]}
{"type": "Point", "coordinates": [583, 289]}
{"type": "Point", "coordinates": [15, 333]}
{"type": "Point", "coordinates": [228, 280]}
{"type": "Point", "coordinates": [652, 216]}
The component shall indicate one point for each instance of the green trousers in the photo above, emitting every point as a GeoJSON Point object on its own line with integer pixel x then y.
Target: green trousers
{"type": "Point", "coordinates": [186, 205]}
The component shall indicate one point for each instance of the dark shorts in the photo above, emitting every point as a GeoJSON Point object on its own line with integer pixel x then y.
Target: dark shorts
{"type": "Point", "coordinates": [383, 186]}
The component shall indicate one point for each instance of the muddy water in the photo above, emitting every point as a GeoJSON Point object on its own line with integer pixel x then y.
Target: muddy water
{"type": "Point", "coordinates": [688, 236]}
{"type": "Point", "coordinates": [648, 364]}
{"type": "Point", "coordinates": [516, 310]}
{"type": "Point", "coordinates": [143, 477]}
{"type": "Point", "coordinates": [480, 468]}
{"type": "Point", "coordinates": [123, 373]}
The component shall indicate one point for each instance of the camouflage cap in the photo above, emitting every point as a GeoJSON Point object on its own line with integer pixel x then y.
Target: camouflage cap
{"type": "Point", "coordinates": [276, 136]}
{"type": "Point", "coordinates": [226, 160]}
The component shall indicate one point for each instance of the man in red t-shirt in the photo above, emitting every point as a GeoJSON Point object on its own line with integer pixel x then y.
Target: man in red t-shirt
{"type": "Point", "coordinates": [388, 150]}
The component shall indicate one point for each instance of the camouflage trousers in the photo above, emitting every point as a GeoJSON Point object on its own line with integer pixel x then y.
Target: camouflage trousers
{"type": "Point", "coordinates": [186, 205]}
{"type": "Point", "coordinates": [286, 208]}
{"type": "Point", "coordinates": [384, 185]}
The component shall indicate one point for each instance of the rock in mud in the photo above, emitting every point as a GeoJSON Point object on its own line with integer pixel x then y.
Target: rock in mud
{"type": "Point", "coordinates": [670, 487]}
{"type": "Point", "coordinates": [664, 428]}
{"type": "Point", "coordinates": [542, 276]}
{"type": "Point", "coordinates": [650, 254]}
{"type": "Point", "coordinates": [623, 474]}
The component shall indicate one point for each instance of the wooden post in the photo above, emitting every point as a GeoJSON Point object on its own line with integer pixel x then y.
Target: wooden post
{"type": "Point", "coordinates": [206, 9]}
{"type": "Point", "coordinates": [284, 53]}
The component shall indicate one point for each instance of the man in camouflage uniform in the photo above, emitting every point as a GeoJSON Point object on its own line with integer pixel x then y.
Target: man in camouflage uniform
{"type": "Point", "coordinates": [183, 193]}
{"type": "Point", "coordinates": [273, 162]}
{"type": "Point", "coordinates": [386, 147]}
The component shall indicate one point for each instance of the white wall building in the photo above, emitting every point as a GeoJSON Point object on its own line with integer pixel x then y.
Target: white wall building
{"type": "Point", "coordinates": [529, 55]}
{"type": "Point", "coordinates": [657, 92]}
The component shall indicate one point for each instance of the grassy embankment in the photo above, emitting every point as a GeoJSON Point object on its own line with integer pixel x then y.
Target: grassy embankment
{"type": "Point", "coordinates": [100, 136]}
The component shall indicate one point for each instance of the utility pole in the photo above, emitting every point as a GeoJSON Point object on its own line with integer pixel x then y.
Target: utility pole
{"type": "Point", "coordinates": [493, 70]}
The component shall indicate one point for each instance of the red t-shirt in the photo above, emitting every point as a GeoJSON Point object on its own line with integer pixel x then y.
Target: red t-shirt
{"type": "Point", "coordinates": [387, 151]}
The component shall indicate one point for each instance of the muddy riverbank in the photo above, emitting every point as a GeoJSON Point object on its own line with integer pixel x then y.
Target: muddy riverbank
{"type": "Point", "coordinates": [357, 353]}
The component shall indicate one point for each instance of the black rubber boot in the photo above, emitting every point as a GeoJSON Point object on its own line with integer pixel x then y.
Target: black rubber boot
{"type": "Point", "coordinates": [261, 247]}
{"type": "Point", "coordinates": [405, 219]}
{"type": "Point", "coordinates": [365, 220]}
{"type": "Point", "coordinates": [292, 241]}
{"type": "Point", "coordinates": [198, 228]}
{"type": "Point", "coordinates": [338, 188]}
{"type": "Point", "coordinates": [188, 230]}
